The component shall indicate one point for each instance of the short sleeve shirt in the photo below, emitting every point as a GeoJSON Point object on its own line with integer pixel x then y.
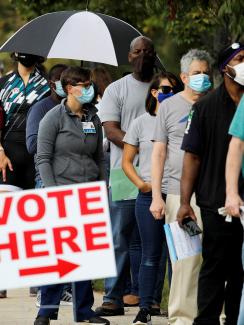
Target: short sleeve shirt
{"type": "Point", "coordinates": [169, 128]}
{"type": "Point", "coordinates": [122, 102]}
{"type": "Point", "coordinates": [237, 125]}
{"type": "Point", "coordinates": [139, 135]}
{"type": "Point", "coordinates": [207, 136]}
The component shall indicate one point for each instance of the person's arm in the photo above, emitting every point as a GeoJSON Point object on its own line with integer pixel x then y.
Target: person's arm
{"type": "Point", "coordinates": [129, 153]}
{"type": "Point", "coordinates": [46, 139]}
{"type": "Point", "coordinates": [34, 117]}
{"type": "Point", "coordinates": [191, 164]}
{"type": "Point", "coordinates": [192, 145]}
{"type": "Point", "coordinates": [159, 154]}
{"type": "Point", "coordinates": [114, 133]}
{"type": "Point", "coordinates": [110, 113]}
{"type": "Point", "coordinates": [233, 167]}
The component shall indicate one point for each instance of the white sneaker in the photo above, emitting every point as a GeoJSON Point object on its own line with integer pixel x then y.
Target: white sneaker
{"type": "Point", "coordinates": [38, 299]}
{"type": "Point", "coordinates": [66, 299]}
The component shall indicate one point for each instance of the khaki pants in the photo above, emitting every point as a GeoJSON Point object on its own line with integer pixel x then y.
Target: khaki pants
{"type": "Point", "coordinates": [182, 306]}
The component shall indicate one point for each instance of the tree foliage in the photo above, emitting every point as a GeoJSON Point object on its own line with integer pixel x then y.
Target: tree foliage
{"type": "Point", "coordinates": [187, 22]}
{"type": "Point", "coordinates": [173, 24]}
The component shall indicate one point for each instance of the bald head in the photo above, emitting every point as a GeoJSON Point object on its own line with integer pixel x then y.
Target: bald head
{"type": "Point", "coordinates": [140, 39]}
{"type": "Point", "coordinates": [142, 58]}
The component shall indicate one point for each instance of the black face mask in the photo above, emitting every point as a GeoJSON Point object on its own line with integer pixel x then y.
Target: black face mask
{"type": "Point", "coordinates": [143, 65]}
{"type": "Point", "coordinates": [28, 60]}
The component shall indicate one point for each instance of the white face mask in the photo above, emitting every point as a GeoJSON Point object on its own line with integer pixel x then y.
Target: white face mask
{"type": "Point", "coordinates": [239, 70]}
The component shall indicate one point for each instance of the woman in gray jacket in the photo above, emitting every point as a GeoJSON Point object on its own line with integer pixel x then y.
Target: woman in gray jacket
{"type": "Point", "coordinates": [70, 150]}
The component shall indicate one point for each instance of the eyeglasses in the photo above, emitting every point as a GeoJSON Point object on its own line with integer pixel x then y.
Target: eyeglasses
{"type": "Point", "coordinates": [166, 89]}
{"type": "Point", "coordinates": [83, 84]}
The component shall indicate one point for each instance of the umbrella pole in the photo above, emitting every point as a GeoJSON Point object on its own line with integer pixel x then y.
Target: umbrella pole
{"type": "Point", "coordinates": [87, 5]}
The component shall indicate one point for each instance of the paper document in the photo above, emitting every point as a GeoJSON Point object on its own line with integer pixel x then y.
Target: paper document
{"type": "Point", "coordinates": [122, 188]}
{"type": "Point", "coordinates": [180, 244]}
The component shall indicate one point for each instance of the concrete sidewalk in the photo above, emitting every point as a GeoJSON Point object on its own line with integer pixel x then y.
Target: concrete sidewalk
{"type": "Point", "coordinates": [20, 309]}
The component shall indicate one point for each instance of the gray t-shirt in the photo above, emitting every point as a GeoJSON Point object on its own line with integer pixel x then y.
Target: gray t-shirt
{"type": "Point", "coordinates": [170, 127]}
{"type": "Point", "coordinates": [123, 101]}
{"type": "Point", "coordinates": [140, 135]}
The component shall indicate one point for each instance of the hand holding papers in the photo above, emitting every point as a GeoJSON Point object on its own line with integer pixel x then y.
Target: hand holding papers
{"type": "Point", "coordinates": [180, 244]}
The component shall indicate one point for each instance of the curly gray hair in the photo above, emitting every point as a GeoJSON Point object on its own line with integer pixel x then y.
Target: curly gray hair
{"type": "Point", "coordinates": [194, 54]}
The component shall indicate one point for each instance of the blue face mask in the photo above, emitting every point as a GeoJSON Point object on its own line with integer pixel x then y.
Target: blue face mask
{"type": "Point", "coordinates": [162, 96]}
{"type": "Point", "coordinates": [59, 89]}
{"type": "Point", "coordinates": [199, 82]}
{"type": "Point", "coordinates": [87, 95]}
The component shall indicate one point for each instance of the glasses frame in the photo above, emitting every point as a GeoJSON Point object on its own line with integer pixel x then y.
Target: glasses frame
{"type": "Point", "coordinates": [82, 84]}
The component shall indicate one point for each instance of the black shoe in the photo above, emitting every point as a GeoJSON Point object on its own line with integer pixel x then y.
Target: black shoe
{"type": "Point", "coordinates": [109, 309]}
{"type": "Point", "coordinates": [143, 317]}
{"type": "Point", "coordinates": [154, 311]}
{"type": "Point", "coordinates": [42, 321]}
{"type": "Point", "coordinates": [97, 320]}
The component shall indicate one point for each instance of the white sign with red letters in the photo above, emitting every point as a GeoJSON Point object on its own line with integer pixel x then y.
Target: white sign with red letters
{"type": "Point", "coordinates": [55, 235]}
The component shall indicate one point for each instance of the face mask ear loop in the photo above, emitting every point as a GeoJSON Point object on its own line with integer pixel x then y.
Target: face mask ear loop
{"type": "Point", "coordinates": [229, 75]}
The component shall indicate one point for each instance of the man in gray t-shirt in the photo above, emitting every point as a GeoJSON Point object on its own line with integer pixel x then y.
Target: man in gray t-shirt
{"type": "Point", "coordinates": [169, 129]}
{"type": "Point", "coordinates": [122, 102]}
{"type": "Point", "coordinates": [168, 134]}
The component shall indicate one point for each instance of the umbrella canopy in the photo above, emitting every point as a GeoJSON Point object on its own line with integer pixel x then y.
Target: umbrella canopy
{"type": "Point", "coordinates": [80, 35]}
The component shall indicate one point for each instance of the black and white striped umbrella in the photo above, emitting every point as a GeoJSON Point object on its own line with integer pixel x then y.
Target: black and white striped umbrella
{"type": "Point", "coordinates": [80, 35]}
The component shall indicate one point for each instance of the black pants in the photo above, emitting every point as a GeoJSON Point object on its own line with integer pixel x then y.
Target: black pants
{"type": "Point", "coordinates": [23, 174]}
{"type": "Point", "coordinates": [221, 274]}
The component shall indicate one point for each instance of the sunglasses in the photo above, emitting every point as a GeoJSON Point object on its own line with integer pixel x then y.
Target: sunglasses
{"type": "Point", "coordinates": [166, 89]}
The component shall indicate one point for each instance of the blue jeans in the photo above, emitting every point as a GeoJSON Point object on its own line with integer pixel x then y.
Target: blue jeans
{"type": "Point", "coordinates": [131, 286]}
{"type": "Point", "coordinates": [135, 260]}
{"type": "Point", "coordinates": [123, 221]}
{"type": "Point", "coordinates": [152, 241]}
{"type": "Point", "coordinates": [158, 291]}
{"type": "Point", "coordinates": [241, 313]}
{"type": "Point", "coordinates": [82, 295]}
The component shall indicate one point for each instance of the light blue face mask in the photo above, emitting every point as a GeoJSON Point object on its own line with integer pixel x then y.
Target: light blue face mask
{"type": "Point", "coordinates": [200, 82]}
{"type": "Point", "coordinates": [59, 89]}
{"type": "Point", "coordinates": [87, 95]}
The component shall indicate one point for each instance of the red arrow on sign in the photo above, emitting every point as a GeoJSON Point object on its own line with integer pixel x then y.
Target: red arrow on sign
{"type": "Point", "coordinates": [62, 267]}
